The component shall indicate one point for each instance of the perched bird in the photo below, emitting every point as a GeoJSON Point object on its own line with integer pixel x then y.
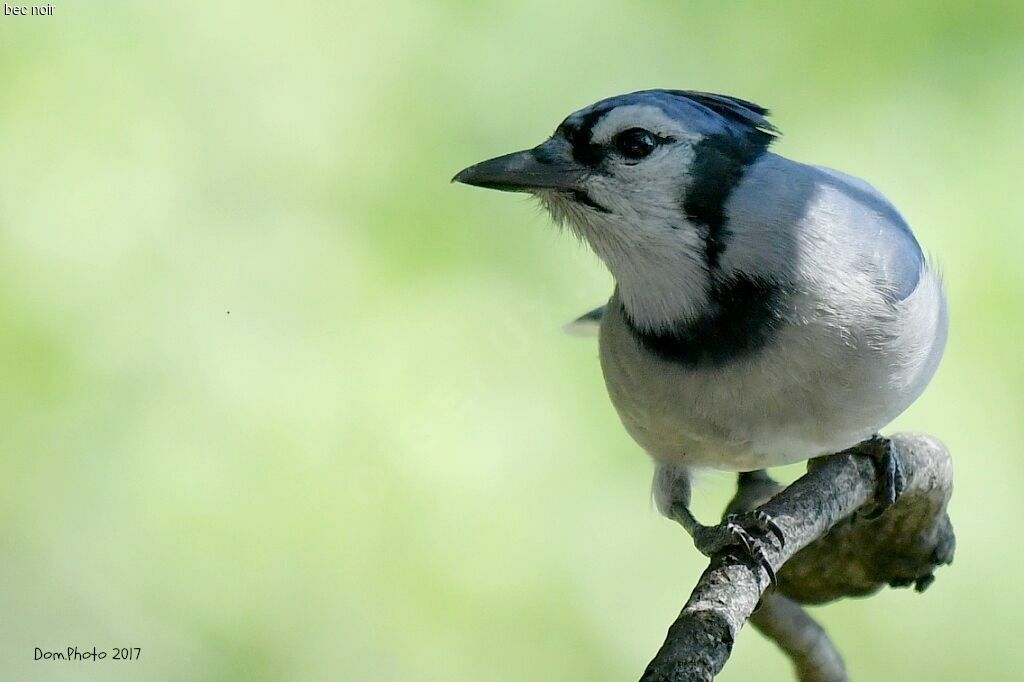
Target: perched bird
{"type": "Point", "coordinates": [766, 311]}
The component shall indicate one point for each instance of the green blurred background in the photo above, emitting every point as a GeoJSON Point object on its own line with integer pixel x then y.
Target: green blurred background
{"type": "Point", "coordinates": [280, 403]}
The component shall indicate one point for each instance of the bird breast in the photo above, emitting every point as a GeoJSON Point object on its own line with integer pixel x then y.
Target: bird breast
{"type": "Point", "coordinates": [815, 389]}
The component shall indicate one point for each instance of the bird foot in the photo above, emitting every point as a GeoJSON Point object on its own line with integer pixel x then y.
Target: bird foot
{"type": "Point", "coordinates": [751, 532]}
{"type": "Point", "coordinates": [890, 474]}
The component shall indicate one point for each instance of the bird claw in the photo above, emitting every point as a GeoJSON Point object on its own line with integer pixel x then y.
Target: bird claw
{"type": "Point", "coordinates": [891, 482]}
{"type": "Point", "coordinates": [750, 532]}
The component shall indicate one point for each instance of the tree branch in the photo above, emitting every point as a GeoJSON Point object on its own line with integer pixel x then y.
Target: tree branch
{"type": "Point", "coordinates": [814, 656]}
{"type": "Point", "coordinates": [829, 553]}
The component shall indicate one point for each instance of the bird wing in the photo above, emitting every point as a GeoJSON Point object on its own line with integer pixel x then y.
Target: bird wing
{"type": "Point", "coordinates": [587, 324]}
{"type": "Point", "coordinates": [886, 244]}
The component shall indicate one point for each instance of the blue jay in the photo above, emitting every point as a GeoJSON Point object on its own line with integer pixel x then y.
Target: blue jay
{"type": "Point", "coordinates": [765, 311]}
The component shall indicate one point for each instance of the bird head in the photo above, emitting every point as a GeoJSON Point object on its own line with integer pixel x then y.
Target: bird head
{"type": "Point", "coordinates": [644, 179]}
{"type": "Point", "coordinates": [638, 170]}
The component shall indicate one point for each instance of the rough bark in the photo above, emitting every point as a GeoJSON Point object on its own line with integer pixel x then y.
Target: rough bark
{"type": "Point", "coordinates": [830, 552]}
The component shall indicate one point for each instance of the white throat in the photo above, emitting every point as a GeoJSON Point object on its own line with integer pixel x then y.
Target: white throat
{"type": "Point", "coordinates": [661, 274]}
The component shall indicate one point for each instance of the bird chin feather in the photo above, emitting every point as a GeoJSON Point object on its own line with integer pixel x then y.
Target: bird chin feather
{"type": "Point", "coordinates": [566, 213]}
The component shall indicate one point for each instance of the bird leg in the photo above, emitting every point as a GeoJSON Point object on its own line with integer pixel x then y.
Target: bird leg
{"type": "Point", "coordinates": [749, 531]}
{"type": "Point", "coordinates": [890, 474]}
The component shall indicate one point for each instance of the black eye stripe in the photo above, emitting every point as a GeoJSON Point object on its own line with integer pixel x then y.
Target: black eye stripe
{"type": "Point", "coordinates": [578, 131]}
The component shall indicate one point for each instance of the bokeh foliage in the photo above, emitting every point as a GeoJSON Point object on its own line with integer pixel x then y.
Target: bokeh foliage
{"type": "Point", "coordinates": [280, 403]}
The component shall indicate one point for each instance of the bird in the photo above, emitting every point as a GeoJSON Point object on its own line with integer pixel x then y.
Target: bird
{"type": "Point", "coordinates": [765, 311]}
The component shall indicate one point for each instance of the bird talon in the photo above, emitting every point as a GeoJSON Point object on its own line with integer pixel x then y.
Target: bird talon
{"type": "Point", "coordinates": [748, 534]}
{"type": "Point", "coordinates": [739, 534]}
{"type": "Point", "coordinates": [748, 542]}
{"type": "Point", "coordinates": [891, 481]}
{"type": "Point", "coordinates": [766, 522]}
{"type": "Point", "coordinates": [773, 581]}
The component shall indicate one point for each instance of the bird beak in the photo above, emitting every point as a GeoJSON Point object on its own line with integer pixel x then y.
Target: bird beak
{"type": "Point", "coordinates": [542, 167]}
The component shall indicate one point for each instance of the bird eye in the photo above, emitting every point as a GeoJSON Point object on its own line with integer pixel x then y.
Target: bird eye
{"type": "Point", "coordinates": [635, 143]}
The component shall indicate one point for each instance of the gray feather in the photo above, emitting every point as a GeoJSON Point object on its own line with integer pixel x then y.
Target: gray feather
{"type": "Point", "coordinates": [588, 324]}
